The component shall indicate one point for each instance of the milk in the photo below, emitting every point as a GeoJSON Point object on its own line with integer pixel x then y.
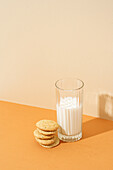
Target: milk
{"type": "Point", "coordinates": [69, 116]}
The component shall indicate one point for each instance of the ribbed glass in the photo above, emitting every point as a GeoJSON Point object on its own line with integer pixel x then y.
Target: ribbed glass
{"type": "Point", "coordinates": [69, 105]}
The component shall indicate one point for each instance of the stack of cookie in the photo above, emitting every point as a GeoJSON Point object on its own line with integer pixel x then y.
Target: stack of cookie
{"type": "Point", "coordinates": [45, 133]}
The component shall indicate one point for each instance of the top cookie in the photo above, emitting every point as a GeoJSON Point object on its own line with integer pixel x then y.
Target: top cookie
{"type": "Point", "coordinates": [47, 125]}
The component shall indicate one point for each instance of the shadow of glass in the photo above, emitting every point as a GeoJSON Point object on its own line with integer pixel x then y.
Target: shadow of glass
{"type": "Point", "coordinates": [96, 126]}
{"type": "Point", "coordinates": [105, 106]}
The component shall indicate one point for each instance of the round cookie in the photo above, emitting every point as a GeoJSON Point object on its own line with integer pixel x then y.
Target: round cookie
{"type": "Point", "coordinates": [45, 142]}
{"type": "Point", "coordinates": [57, 141]}
{"type": "Point", "coordinates": [47, 125]}
{"type": "Point", "coordinates": [46, 132]}
{"type": "Point", "coordinates": [41, 136]}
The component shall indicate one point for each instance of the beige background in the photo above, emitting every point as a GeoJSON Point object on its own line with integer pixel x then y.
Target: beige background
{"type": "Point", "coordinates": [42, 41]}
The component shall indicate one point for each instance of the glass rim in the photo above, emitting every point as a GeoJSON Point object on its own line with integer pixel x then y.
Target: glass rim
{"type": "Point", "coordinates": [74, 89]}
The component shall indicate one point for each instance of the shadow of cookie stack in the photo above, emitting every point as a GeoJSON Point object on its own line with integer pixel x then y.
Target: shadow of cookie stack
{"type": "Point", "coordinates": [45, 133]}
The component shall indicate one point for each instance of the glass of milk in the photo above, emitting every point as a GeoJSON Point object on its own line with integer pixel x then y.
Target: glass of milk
{"type": "Point", "coordinates": [69, 105]}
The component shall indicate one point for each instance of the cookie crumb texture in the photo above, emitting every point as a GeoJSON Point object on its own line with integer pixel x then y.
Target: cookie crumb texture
{"type": "Point", "coordinates": [41, 136]}
{"type": "Point", "coordinates": [57, 141]}
{"type": "Point", "coordinates": [45, 133]}
{"type": "Point", "coordinates": [46, 142]}
{"type": "Point", "coordinates": [47, 125]}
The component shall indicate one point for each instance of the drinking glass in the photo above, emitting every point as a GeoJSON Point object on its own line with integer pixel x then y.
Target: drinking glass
{"type": "Point", "coordinates": [69, 105]}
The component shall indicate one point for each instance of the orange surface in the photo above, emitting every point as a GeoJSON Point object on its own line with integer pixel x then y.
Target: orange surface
{"type": "Point", "coordinates": [19, 150]}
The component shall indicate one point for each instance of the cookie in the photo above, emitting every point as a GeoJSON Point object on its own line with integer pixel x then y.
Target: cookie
{"type": "Point", "coordinates": [46, 142]}
{"type": "Point", "coordinates": [47, 125]}
{"type": "Point", "coordinates": [57, 141]}
{"type": "Point", "coordinates": [46, 132]}
{"type": "Point", "coordinates": [41, 136]}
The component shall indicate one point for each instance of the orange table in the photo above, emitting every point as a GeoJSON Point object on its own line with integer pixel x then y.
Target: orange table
{"type": "Point", "coordinates": [20, 151]}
